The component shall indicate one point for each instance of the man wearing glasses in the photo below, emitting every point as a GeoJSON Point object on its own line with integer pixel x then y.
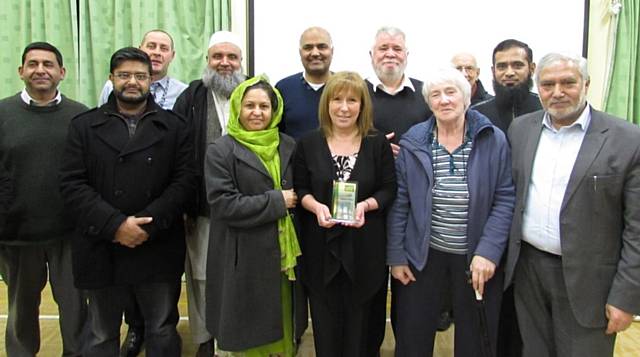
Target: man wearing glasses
{"type": "Point", "coordinates": [128, 173]}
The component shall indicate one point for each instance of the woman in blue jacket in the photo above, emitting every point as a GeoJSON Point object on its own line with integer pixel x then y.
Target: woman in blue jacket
{"type": "Point", "coordinates": [449, 224]}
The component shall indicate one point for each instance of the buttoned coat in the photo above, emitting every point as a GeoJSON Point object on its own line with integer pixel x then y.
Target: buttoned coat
{"type": "Point", "coordinates": [243, 296]}
{"type": "Point", "coordinates": [599, 215]}
{"type": "Point", "coordinates": [106, 176]}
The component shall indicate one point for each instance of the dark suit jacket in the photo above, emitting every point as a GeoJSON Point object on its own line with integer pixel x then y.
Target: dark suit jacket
{"type": "Point", "coordinates": [599, 217]}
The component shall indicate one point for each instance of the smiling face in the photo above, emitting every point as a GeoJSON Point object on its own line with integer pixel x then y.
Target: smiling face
{"type": "Point", "coordinates": [344, 109]}
{"type": "Point", "coordinates": [131, 81]}
{"type": "Point", "coordinates": [562, 91]}
{"type": "Point", "coordinates": [256, 111]}
{"type": "Point", "coordinates": [511, 67]}
{"type": "Point", "coordinates": [224, 58]}
{"type": "Point", "coordinates": [446, 101]}
{"type": "Point", "coordinates": [159, 47]}
{"type": "Point", "coordinates": [316, 51]}
{"type": "Point", "coordinates": [41, 73]}
{"type": "Point", "coordinates": [389, 56]}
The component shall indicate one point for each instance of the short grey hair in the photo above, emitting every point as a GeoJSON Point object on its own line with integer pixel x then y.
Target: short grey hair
{"type": "Point", "coordinates": [447, 75]}
{"type": "Point", "coordinates": [550, 58]}
{"type": "Point", "coordinates": [391, 31]}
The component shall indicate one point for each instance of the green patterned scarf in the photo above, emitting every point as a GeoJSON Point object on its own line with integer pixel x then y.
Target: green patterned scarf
{"type": "Point", "coordinates": [264, 143]}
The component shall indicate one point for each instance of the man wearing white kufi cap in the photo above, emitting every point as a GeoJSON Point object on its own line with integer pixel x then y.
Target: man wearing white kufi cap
{"type": "Point", "coordinates": [205, 104]}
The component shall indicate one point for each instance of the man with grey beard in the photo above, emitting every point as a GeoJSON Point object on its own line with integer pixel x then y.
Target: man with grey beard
{"type": "Point", "coordinates": [397, 100]}
{"type": "Point", "coordinates": [205, 104]}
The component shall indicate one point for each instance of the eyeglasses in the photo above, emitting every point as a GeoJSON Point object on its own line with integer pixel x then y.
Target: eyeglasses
{"type": "Point", "coordinates": [125, 76]}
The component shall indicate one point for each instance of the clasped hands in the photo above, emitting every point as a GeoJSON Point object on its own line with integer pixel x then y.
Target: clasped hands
{"type": "Point", "coordinates": [130, 233]}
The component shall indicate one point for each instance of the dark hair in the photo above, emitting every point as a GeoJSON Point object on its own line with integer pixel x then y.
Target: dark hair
{"type": "Point", "coordinates": [45, 46]}
{"type": "Point", "coordinates": [268, 89]}
{"type": "Point", "coordinates": [129, 54]}
{"type": "Point", "coordinates": [510, 43]}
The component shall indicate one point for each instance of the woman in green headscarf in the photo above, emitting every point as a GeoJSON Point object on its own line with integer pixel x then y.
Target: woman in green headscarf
{"type": "Point", "coordinates": [252, 243]}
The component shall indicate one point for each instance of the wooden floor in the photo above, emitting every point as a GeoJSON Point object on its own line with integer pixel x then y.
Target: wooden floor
{"type": "Point", "coordinates": [628, 343]}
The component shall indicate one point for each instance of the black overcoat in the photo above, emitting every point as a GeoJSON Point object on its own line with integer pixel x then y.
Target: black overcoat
{"type": "Point", "coordinates": [106, 176]}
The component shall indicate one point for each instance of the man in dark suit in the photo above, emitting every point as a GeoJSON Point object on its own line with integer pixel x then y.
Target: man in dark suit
{"type": "Point", "coordinates": [575, 240]}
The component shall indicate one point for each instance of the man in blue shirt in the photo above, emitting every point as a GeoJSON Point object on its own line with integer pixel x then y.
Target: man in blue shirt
{"type": "Point", "coordinates": [301, 91]}
{"type": "Point", "coordinates": [158, 44]}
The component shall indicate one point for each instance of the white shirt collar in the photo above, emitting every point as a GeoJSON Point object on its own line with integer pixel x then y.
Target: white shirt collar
{"type": "Point", "coordinates": [30, 101]}
{"type": "Point", "coordinates": [315, 86]}
{"type": "Point", "coordinates": [583, 120]}
{"type": "Point", "coordinates": [376, 83]}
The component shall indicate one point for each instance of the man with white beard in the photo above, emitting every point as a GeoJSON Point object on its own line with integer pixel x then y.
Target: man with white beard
{"type": "Point", "coordinates": [397, 100]}
{"type": "Point", "coordinates": [205, 104]}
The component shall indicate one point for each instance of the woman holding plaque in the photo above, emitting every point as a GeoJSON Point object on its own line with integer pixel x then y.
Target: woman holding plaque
{"type": "Point", "coordinates": [253, 245]}
{"type": "Point", "coordinates": [449, 225]}
{"type": "Point", "coordinates": [344, 177]}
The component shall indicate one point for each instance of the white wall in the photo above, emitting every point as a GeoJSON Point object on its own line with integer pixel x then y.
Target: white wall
{"type": "Point", "coordinates": [435, 30]}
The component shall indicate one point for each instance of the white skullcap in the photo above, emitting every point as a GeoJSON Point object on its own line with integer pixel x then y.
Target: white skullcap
{"type": "Point", "coordinates": [225, 36]}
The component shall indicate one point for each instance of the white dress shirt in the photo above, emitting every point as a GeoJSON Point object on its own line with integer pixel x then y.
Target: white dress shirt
{"type": "Point", "coordinates": [555, 156]}
{"type": "Point", "coordinates": [376, 83]}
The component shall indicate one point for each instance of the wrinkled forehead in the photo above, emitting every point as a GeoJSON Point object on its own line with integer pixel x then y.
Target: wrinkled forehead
{"type": "Point", "coordinates": [315, 36]}
{"type": "Point", "coordinates": [385, 39]}
{"type": "Point", "coordinates": [464, 60]}
{"type": "Point", "coordinates": [225, 48]}
{"type": "Point", "coordinates": [160, 38]}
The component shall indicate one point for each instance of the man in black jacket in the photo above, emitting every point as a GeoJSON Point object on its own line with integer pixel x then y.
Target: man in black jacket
{"type": "Point", "coordinates": [205, 105]}
{"type": "Point", "coordinates": [512, 69]}
{"type": "Point", "coordinates": [128, 173]}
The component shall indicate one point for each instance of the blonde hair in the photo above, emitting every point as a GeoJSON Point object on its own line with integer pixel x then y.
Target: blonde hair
{"type": "Point", "coordinates": [346, 81]}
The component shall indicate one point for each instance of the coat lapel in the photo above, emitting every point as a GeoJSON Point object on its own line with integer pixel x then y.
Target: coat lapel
{"type": "Point", "coordinates": [146, 135]}
{"type": "Point", "coordinates": [591, 145]}
{"type": "Point", "coordinates": [249, 157]}
{"type": "Point", "coordinates": [110, 131]}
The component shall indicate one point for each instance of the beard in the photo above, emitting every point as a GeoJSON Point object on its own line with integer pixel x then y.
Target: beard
{"type": "Point", "coordinates": [221, 83]}
{"type": "Point", "coordinates": [129, 99]}
{"type": "Point", "coordinates": [509, 96]}
{"type": "Point", "coordinates": [393, 75]}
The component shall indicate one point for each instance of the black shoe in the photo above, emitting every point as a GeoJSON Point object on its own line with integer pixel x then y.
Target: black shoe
{"type": "Point", "coordinates": [444, 322]}
{"type": "Point", "coordinates": [132, 344]}
{"type": "Point", "coordinates": [206, 349]}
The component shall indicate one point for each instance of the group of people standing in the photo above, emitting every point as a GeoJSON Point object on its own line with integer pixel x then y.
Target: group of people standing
{"type": "Point", "coordinates": [477, 212]}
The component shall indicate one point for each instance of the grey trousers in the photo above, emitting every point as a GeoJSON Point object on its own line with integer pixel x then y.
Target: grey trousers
{"type": "Point", "coordinates": [547, 323]}
{"type": "Point", "coordinates": [24, 269]}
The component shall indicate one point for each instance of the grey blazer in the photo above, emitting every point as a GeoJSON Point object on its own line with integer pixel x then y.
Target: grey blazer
{"type": "Point", "coordinates": [599, 217]}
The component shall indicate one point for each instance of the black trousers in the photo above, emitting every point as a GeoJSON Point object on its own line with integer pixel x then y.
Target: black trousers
{"type": "Point", "coordinates": [416, 307]}
{"type": "Point", "coordinates": [340, 323]}
{"type": "Point", "coordinates": [159, 307]}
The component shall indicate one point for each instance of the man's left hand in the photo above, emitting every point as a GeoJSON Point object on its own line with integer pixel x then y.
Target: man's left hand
{"type": "Point", "coordinates": [619, 320]}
